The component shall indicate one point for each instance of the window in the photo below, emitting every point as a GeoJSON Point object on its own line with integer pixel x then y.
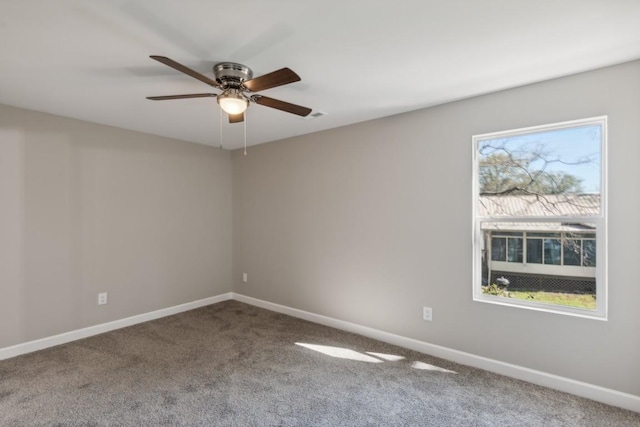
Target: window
{"type": "Point", "coordinates": [540, 218]}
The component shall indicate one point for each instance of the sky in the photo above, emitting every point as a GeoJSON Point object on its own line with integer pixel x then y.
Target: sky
{"type": "Point", "coordinates": [570, 144]}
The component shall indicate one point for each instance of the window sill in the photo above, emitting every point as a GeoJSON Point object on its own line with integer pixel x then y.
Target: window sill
{"type": "Point", "coordinates": [547, 308]}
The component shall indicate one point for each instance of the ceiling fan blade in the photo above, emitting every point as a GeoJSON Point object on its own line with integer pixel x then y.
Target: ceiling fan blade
{"type": "Point", "coordinates": [188, 71]}
{"type": "Point", "coordinates": [193, 95]}
{"type": "Point", "coordinates": [281, 105]}
{"type": "Point", "coordinates": [236, 118]}
{"type": "Point", "coordinates": [276, 78]}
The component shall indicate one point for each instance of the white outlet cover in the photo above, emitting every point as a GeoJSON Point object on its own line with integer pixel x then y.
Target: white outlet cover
{"type": "Point", "coordinates": [102, 298]}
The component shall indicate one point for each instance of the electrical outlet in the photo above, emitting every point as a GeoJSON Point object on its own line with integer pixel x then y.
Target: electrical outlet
{"type": "Point", "coordinates": [245, 277]}
{"type": "Point", "coordinates": [102, 298]}
{"type": "Point", "coordinates": [427, 313]}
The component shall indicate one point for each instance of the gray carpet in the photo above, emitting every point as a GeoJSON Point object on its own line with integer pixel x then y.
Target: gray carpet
{"type": "Point", "coordinates": [231, 364]}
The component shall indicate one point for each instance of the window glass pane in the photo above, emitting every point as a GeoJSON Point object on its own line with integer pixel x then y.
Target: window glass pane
{"type": "Point", "coordinates": [539, 270]}
{"type": "Point", "coordinates": [553, 172]}
{"type": "Point", "coordinates": [514, 250]}
{"type": "Point", "coordinates": [589, 253]}
{"type": "Point", "coordinates": [498, 249]}
{"type": "Point", "coordinates": [571, 251]}
{"type": "Point", "coordinates": [552, 251]}
{"type": "Point", "coordinates": [534, 251]}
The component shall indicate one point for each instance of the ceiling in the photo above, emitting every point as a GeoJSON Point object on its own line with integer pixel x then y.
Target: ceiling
{"type": "Point", "coordinates": [358, 59]}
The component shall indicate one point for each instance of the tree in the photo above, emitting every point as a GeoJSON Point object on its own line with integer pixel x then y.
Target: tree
{"type": "Point", "coordinates": [505, 171]}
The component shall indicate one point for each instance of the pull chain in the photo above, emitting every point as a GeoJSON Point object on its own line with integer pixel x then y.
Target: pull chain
{"type": "Point", "coordinates": [220, 109]}
{"type": "Point", "coordinates": [245, 133]}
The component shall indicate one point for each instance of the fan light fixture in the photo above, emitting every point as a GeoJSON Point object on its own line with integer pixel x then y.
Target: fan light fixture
{"type": "Point", "coordinates": [232, 102]}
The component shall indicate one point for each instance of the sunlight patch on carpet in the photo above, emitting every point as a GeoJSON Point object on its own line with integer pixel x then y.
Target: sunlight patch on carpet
{"type": "Point", "coordinates": [370, 357]}
{"type": "Point", "coordinates": [427, 367]}
{"type": "Point", "coordinates": [340, 352]}
{"type": "Point", "coordinates": [389, 357]}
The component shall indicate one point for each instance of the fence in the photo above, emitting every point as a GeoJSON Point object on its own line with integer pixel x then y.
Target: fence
{"type": "Point", "coordinates": [537, 282]}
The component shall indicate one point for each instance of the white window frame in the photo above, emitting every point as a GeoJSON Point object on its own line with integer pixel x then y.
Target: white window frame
{"type": "Point", "coordinates": [600, 313]}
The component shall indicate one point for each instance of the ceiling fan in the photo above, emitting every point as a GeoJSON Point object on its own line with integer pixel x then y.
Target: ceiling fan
{"type": "Point", "coordinates": [238, 88]}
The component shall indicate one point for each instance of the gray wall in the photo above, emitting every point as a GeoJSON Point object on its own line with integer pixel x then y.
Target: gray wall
{"type": "Point", "coordinates": [86, 208]}
{"type": "Point", "coordinates": [368, 223]}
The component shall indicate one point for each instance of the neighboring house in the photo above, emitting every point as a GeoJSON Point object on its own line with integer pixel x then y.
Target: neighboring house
{"type": "Point", "coordinates": [557, 256]}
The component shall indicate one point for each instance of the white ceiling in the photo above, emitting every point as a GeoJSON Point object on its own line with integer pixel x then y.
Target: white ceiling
{"type": "Point", "coordinates": [358, 59]}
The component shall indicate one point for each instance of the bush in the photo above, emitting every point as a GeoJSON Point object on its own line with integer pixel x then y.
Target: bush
{"type": "Point", "coordinates": [494, 289]}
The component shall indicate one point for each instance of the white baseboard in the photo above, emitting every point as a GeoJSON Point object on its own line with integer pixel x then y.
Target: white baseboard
{"type": "Point", "coordinates": [28, 347]}
{"type": "Point", "coordinates": [578, 388]}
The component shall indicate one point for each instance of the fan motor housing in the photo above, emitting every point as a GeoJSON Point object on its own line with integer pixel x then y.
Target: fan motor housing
{"type": "Point", "coordinates": [231, 74]}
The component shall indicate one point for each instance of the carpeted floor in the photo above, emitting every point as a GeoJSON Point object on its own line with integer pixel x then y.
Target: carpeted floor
{"type": "Point", "coordinates": [231, 364]}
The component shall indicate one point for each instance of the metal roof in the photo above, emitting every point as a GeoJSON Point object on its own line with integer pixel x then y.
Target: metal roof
{"type": "Point", "coordinates": [570, 205]}
{"type": "Point", "coordinates": [547, 227]}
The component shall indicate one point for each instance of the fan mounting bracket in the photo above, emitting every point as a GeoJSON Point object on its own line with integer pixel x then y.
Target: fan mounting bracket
{"type": "Point", "coordinates": [231, 74]}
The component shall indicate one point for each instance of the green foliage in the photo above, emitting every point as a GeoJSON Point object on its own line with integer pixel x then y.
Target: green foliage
{"type": "Point", "coordinates": [586, 300]}
{"type": "Point", "coordinates": [494, 289]}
